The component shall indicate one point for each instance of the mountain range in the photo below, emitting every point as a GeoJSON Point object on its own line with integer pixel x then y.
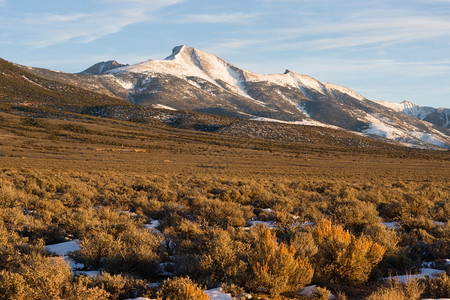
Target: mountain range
{"type": "Point", "coordinates": [193, 80]}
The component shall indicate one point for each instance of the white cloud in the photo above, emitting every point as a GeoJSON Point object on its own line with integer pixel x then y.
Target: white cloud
{"type": "Point", "coordinates": [219, 18]}
{"type": "Point", "coordinates": [49, 29]}
{"type": "Point", "coordinates": [372, 32]}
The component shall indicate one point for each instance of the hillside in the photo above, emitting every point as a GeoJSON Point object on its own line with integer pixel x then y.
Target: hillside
{"type": "Point", "coordinates": [24, 88]}
{"type": "Point", "coordinates": [193, 80]}
{"type": "Point", "coordinates": [437, 116]}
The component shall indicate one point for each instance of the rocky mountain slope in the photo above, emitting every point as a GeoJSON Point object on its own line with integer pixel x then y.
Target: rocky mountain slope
{"type": "Point", "coordinates": [437, 116]}
{"type": "Point", "coordinates": [19, 87]}
{"type": "Point", "coordinates": [190, 79]}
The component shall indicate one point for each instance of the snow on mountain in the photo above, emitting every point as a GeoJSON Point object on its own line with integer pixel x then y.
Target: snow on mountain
{"type": "Point", "coordinates": [409, 108]}
{"type": "Point", "coordinates": [102, 67]}
{"type": "Point", "coordinates": [160, 106]}
{"type": "Point", "coordinates": [332, 88]}
{"type": "Point", "coordinates": [437, 116]}
{"type": "Point", "coordinates": [404, 133]}
{"type": "Point", "coordinates": [191, 79]}
{"type": "Point", "coordinates": [187, 62]}
{"type": "Point", "coordinates": [205, 82]}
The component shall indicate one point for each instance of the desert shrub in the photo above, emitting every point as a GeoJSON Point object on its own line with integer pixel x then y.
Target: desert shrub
{"type": "Point", "coordinates": [181, 288]}
{"type": "Point", "coordinates": [274, 267]}
{"type": "Point", "coordinates": [395, 290]}
{"type": "Point", "coordinates": [36, 277]}
{"type": "Point", "coordinates": [343, 257]}
{"type": "Point", "coordinates": [78, 221]}
{"type": "Point", "coordinates": [183, 238]}
{"type": "Point", "coordinates": [388, 238]}
{"type": "Point", "coordinates": [217, 261]}
{"type": "Point", "coordinates": [13, 286]}
{"type": "Point", "coordinates": [82, 289]}
{"type": "Point", "coordinates": [356, 215]}
{"type": "Point", "coordinates": [304, 244]}
{"type": "Point", "coordinates": [437, 287]}
{"type": "Point", "coordinates": [321, 293]}
{"type": "Point", "coordinates": [120, 248]}
{"type": "Point", "coordinates": [10, 247]}
{"type": "Point", "coordinates": [120, 286]}
{"type": "Point", "coordinates": [414, 206]}
{"type": "Point", "coordinates": [222, 214]}
{"type": "Point", "coordinates": [171, 214]}
{"type": "Point", "coordinates": [440, 248]}
{"type": "Point", "coordinates": [10, 196]}
{"type": "Point", "coordinates": [441, 210]}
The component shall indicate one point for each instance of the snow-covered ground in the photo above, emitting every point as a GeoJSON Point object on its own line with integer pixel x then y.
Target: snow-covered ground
{"type": "Point", "coordinates": [268, 224]}
{"type": "Point", "coordinates": [161, 106]}
{"type": "Point", "coordinates": [153, 226]}
{"type": "Point", "coordinates": [423, 273]}
{"type": "Point", "coordinates": [218, 294]}
{"type": "Point", "coordinates": [310, 290]}
{"type": "Point", "coordinates": [391, 225]}
{"type": "Point", "coordinates": [63, 249]}
{"type": "Point", "coordinates": [308, 122]}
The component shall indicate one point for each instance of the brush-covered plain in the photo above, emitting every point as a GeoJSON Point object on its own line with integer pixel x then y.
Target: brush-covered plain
{"type": "Point", "coordinates": [257, 215]}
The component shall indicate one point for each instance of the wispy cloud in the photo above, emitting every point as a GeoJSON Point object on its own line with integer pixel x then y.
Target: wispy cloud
{"type": "Point", "coordinates": [377, 32]}
{"type": "Point", "coordinates": [2, 2]}
{"type": "Point", "coordinates": [237, 17]}
{"type": "Point", "coordinates": [49, 29]}
{"type": "Point", "coordinates": [373, 29]}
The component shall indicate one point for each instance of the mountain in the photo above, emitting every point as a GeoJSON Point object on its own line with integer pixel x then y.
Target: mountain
{"type": "Point", "coordinates": [102, 67]}
{"type": "Point", "coordinates": [437, 116]}
{"type": "Point", "coordinates": [191, 79]}
{"type": "Point", "coordinates": [20, 87]}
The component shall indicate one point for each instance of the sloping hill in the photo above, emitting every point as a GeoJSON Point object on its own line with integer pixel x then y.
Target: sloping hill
{"type": "Point", "coordinates": [21, 87]}
{"type": "Point", "coordinates": [191, 79]}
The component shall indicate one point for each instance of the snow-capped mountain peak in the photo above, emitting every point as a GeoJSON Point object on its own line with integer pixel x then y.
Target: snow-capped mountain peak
{"type": "Point", "coordinates": [191, 79]}
{"type": "Point", "coordinates": [438, 116]}
{"type": "Point", "coordinates": [102, 67]}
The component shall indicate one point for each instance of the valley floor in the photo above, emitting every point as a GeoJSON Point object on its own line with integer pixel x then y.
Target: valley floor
{"type": "Point", "coordinates": [146, 206]}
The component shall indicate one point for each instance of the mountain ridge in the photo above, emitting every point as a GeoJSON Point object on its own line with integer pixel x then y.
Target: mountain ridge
{"type": "Point", "coordinates": [191, 79]}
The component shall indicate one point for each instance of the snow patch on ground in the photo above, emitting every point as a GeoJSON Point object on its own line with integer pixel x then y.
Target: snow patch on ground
{"type": "Point", "coordinates": [34, 83]}
{"type": "Point", "coordinates": [344, 90]}
{"type": "Point", "coordinates": [423, 273]}
{"type": "Point", "coordinates": [310, 290]}
{"type": "Point", "coordinates": [153, 227]}
{"type": "Point", "coordinates": [391, 225]}
{"type": "Point", "coordinates": [303, 110]}
{"type": "Point", "coordinates": [408, 108]}
{"type": "Point", "coordinates": [380, 128]}
{"type": "Point", "coordinates": [309, 82]}
{"type": "Point", "coordinates": [126, 85]}
{"type": "Point", "coordinates": [218, 294]}
{"type": "Point", "coordinates": [428, 138]}
{"type": "Point", "coordinates": [308, 122]}
{"type": "Point", "coordinates": [63, 249]}
{"type": "Point", "coordinates": [161, 106]}
{"type": "Point", "coordinates": [268, 224]}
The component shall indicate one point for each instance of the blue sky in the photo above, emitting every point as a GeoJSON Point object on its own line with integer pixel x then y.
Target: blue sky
{"type": "Point", "coordinates": [389, 50]}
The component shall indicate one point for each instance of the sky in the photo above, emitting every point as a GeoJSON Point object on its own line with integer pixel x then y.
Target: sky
{"type": "Point", "coordinates": [390, 50]}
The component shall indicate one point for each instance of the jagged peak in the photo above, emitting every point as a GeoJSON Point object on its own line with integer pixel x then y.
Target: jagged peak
{"type": "Point", "coordinates": [408, 103]}
{"type": "Point", "coordinates": [102, 67]}
{"type": "Point", "coordinates": [180, 51]}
